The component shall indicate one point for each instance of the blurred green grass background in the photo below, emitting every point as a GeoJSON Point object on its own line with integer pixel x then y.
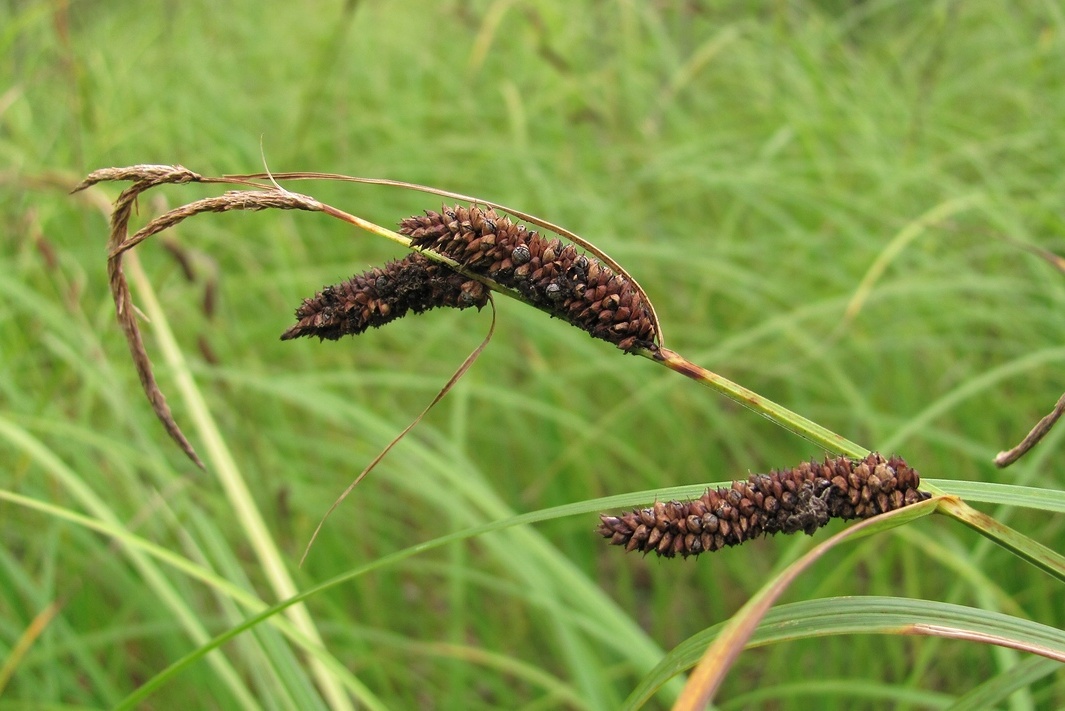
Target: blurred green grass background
{"type": "Point", "coordinates": [749, 162]}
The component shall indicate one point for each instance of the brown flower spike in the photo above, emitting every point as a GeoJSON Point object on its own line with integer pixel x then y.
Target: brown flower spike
{"type": "Point", "coordinates": [373, 298]}
{"type": "Point", "coordinates": [799, 499]}
{"type": "Point", "coordinates": [550, 274]}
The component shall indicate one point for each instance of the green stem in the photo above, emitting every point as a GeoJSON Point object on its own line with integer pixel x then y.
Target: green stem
{"type": "Point", "coordinates": [777, 414]}
{"type": "Point", "coordinates": [782, 416]}
{"type": "Point", "coordinates": [1049, 561]}
{"type": "Point", "coordinates": [791, 421]}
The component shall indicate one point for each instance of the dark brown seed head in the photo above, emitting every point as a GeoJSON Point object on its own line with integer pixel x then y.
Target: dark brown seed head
{"type": "Point", "coordinates": [374, 298]}
{"type": "Point", "coordinates": [800, 499]}
{"type": "Point", "coordinates": [549, 273]}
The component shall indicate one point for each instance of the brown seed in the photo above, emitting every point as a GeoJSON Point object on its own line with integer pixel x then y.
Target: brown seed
{"type": "Point", "coordinates": [641, 534]}
{"type": "Point", "coordinates": [665, 543]}
{"type": "Point", "coordinates": [707, 540]}
{"type": "Point", "coordinates": [521, 254]}
{"type": "Point", "coordinates": [746, 508]}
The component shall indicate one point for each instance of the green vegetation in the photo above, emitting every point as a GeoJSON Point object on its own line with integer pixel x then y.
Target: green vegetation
{"type": "Point", "coordinates": [839, 205]}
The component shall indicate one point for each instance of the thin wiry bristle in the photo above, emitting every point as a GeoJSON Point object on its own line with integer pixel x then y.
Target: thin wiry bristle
{"type": "Point", "coordinates": [800, 499]}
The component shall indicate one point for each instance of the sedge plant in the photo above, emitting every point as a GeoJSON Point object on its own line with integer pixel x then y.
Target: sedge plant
{"type": "Point", "coordinates": [462, 255]}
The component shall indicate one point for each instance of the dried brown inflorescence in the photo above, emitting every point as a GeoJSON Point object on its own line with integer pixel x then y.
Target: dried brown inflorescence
{"type": "Point", "coordinates": [548, 273]}
{"type": "Point", "coordinates": [374, 298]}
{"type": "Point", "coordinates": [800, 499]}
{"type": "Point", "coordinates": [476, 247]}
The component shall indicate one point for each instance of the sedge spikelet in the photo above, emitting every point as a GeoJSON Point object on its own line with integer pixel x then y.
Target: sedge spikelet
{"type": "Point", "coordinates": [549, 273]}
{"type": "Point", "coordinates": [800, 499]}
{"type": "Point", "coordinates": [374, 298]}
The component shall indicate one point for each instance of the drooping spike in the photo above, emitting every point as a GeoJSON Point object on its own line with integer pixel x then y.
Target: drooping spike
{"type": "Point", "coordinates": [800, 499]}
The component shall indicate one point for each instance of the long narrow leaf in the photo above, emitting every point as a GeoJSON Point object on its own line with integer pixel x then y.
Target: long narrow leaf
{"type": "Point", "coordinates": [1031, 550]}
{"type": "Point", "coordinates": [869, 615]}
{"type": "Point", "coordinates": [720, 656]}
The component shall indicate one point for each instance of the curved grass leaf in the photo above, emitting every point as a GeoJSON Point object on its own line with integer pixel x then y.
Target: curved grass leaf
{"type": "Point", "coordinates": [816, 690]}
{"type": "Point", "coordinates": [871, 615]}
{"type": "Point", "coordinates": [267, 613]}
{"type": "Point", "coordinates": [1000, 686]}
{"type": "Point", "coordinates": [225, 588]}
{"type": "Point", "coordinates": [1034, 552]}
{"type": "Point", "coordinates": [1028, 497]}
{"type": "Point", "coordinates": [722, 653]}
